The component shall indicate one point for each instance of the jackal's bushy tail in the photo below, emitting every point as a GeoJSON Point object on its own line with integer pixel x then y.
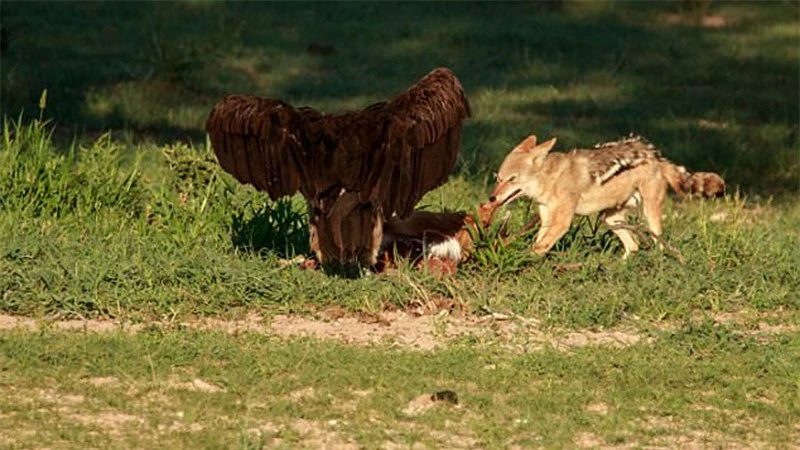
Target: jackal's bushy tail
{"type": "Point", "coordinates": [707, 184]}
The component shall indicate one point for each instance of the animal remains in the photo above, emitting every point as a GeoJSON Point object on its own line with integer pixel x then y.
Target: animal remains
{"type": "Point", "coordinates": [436, 242]}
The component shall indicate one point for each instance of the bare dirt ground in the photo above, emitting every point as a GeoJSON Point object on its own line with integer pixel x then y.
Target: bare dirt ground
{"type": "Point", "coordinates": [402, 329]}
{"type": "Point", "coordinates": [393, 328]}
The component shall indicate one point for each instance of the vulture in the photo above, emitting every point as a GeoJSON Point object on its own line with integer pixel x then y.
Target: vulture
{"type": "Point", "coordinates": [356, 169]}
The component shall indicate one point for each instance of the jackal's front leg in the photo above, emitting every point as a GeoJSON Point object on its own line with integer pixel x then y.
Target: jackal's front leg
{"type": "Point", "coordinates": [555, 222]}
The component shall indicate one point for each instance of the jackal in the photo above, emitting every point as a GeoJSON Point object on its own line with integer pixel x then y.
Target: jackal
{"type": "Point", "coordinates": [613, 179]}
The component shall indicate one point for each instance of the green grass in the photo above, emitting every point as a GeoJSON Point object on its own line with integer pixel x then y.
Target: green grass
{"type": "Point", "coordinates": [706, 384]}
{"type": "Point", "coordinates": [90, 235]}
{"type": "Point", "coordinates": [113, 206]}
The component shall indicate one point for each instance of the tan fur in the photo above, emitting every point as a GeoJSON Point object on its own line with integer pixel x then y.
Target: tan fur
{"type": "Point", "coordinates": [611, 179]}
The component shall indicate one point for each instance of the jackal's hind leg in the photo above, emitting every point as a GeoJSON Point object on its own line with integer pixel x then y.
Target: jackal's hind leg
{"type": "Point", "coordinates": [654, 194]}
{"type": "Point", "coordinates": [615, 218]}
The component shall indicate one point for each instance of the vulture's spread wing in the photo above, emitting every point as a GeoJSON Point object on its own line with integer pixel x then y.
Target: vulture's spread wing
{"type": "Point", "coordinates": [260, 141]}
{"type": "Point", "coordinates": [421, 142]}
{"type": "Point", "coordinates": [390, 153]}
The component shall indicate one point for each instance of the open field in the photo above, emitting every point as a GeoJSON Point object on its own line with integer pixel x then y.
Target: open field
{"type": "Point", "coordinates": [145, 299]}
{"type": "Point", "coordinates": [702, 386]}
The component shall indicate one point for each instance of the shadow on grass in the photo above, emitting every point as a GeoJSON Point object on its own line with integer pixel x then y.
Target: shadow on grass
{"type": "Point", "coordinates": [714, 99]}
{"type": "Point", "coordinates": [276, 227]}
{"type": "Point", "coordinates": [279, 228]}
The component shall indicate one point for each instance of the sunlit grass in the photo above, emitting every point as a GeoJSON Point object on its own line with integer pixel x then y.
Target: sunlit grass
{"type": "Point", "coordinates": [704, 384]}
{"type": "Point", "coordinates": [107, 238]}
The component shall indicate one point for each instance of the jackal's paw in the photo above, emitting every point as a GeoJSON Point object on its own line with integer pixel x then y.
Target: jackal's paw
{"type": "Point", "coordinates": [539, 250]}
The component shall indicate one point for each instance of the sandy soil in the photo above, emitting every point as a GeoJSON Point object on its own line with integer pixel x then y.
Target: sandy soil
{"type": "Point", "coordinates": [393, 328]}
{"type": "Point", "coordinates": [400, 329]}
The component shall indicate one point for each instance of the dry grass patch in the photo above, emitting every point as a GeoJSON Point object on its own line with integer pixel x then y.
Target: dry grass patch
{"type": "Point", "coordinates": [302, 433]}
{"type": "Point", "coordinates": [195, 385]}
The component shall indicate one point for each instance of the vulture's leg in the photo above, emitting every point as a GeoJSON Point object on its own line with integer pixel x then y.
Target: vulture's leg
{"type": "Point", "coordinates": [313, 236]}
{"type": "Point", "coordinates": [345, 232]}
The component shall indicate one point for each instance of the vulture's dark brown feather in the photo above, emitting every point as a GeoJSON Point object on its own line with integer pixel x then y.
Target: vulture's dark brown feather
{"type": "Point", "coordinates": [355, 168]}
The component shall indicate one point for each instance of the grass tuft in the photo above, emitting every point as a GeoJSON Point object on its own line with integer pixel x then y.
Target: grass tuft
{"type": "Point", "coordinates": [38, 180]}
{"type": "Point", "coordinates": [280, 227]}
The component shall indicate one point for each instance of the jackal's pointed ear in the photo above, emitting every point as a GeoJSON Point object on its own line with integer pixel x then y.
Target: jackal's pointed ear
{"type": "Point", "coordinates": [540, 151]}
{"type": "Point", "coordinates": [545, 146]}
{"type": "Point", "coordinates": [526, 145]}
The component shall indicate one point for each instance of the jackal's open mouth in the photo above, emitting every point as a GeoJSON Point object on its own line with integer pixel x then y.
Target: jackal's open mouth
{"type": "Point", "coordinates": [511, 197]}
